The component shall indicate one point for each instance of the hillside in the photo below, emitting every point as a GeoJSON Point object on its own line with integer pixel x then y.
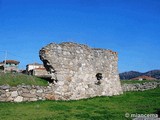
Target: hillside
{"type": "Point", "coordinates": [19, 79]}
{"type": "Point", "coordinates": [153, 73]}
{"type": "Point", "coordinates": [133, 74]}
{"type": "Point", "coordinates": [129, 75]}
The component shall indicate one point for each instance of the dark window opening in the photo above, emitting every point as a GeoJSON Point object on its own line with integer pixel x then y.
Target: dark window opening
{"type": "Point", "coordinates": [99, 77]}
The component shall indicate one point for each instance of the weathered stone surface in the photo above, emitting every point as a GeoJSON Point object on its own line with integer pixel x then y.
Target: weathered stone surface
{"type": "Point", "coordinates": [2, 99]}
{"type": "Point", "coordinates": [39, 91]}
{"type": "Point", "coordinates": [4, 87]}
{"type": "Point", "coordinates": [39, 94]}
{"type": "Point", "coordinates": [75, 66]}
{"type": "Point", "coordinates": [14, 94]}
{"type": "Point", "coordinates": [2, 92]}
{"type": "Point", "coordinates": [83, 90]}
{"type": "Point", "coordinates": [33, 99]}
{"type": "Point", "coordinates": [18, 99]}
{"type": "Point", "coordinates": [13, 88]}
{"type": "Point", "coordinates": [26, 99]}
{"type": "Point", "coordinates": [33, 91]}
{"type": "Point", "coordinates": [140, 87]}
{"type": "Point", "coordinates": [28, 95]}
{"type": "Point", "coordinates": [9, 99]}
{"type": "Point", "coordinates": [3, 96]}
{"type": "Point", "coordinates": [25, 90]}
{"type": "Point", "coordinates": [8, 94]}
{"type": "Point", "coordinates": [49, 97]}
{"type": "Point", "coordinates": [7, 90]}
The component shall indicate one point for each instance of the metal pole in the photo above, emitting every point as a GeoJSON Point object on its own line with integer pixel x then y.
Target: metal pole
{"type": "Point", "coordinates": [5, 61]}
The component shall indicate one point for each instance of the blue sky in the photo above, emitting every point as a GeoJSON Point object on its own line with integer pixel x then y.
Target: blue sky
{"type": "Point", "coordinates": [130, 27]}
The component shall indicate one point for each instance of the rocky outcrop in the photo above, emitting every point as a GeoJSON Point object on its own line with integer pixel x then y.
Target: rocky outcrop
{"type": "Point", "coordinates": [74, 69]}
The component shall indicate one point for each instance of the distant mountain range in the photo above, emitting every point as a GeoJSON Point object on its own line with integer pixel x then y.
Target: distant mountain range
{"type": "Point", "coordinates": [132, 74]}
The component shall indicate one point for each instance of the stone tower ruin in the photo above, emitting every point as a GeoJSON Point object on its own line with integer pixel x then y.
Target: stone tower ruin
{"type": "Point", "coordinates": [79, 71]}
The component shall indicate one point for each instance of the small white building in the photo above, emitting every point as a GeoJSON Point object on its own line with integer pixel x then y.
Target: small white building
{"type": "Point", "coordinates": [33, 66]}
{"type": "Point", "coordinates": [36, 69]}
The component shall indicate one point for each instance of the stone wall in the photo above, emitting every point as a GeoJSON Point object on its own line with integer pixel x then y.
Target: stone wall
{"type": "Point", "coordinates": [26, 93]}
{"type": "Point", "coordinates": [74, 67]}
{"type": "Point", "coordinates": [140, 86]}
{"type": "Point", "coordinates": [33, 93]}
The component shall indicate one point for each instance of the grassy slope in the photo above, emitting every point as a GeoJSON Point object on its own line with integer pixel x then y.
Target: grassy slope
{"type": "Point", "coordinates": [17, 79]}
{"type": "Point", "coordinates": [98, 108]}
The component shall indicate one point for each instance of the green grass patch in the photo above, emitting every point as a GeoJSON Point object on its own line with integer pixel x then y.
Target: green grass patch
{"type": "Point", "coordinates": [14, 79]}
{"type": "Point", "coordinates": [137, 81]}
{"type": "Point", "coordinates": [97, 108]}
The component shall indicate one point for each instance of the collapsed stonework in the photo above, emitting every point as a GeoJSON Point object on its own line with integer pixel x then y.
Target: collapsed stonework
{"type": "Point", "coordinates": [79, 71]}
